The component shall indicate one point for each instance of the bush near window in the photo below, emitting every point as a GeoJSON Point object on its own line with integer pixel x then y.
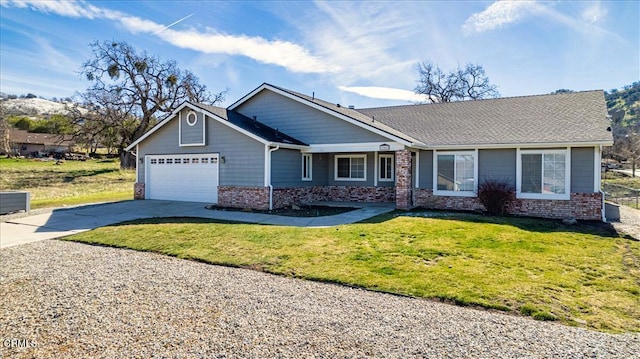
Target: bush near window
{"type": "Point", "coordinates": [495, 195]}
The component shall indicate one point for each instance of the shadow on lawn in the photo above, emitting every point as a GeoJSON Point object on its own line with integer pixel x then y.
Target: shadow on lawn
{"type": "Point", "coordinates": [540, 225]}
{"type": "Point", "coordinates": [51, 177]}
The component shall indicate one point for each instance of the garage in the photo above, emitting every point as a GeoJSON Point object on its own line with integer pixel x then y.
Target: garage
{"type": "Point", "coordinates": [192, 178]}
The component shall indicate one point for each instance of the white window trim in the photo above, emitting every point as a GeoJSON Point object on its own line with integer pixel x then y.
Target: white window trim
{"type": "Point", "coordinates": [309, 158]}
{"type": "Point", "coordinates": [180, 144]}
{"type": "Point", "coordinates": [472, 193]}
{"type": "Point", "coordinates": [379, 170]}
{"type": "Point", "coordinates": [567, 174]}
{"type": "Point", "coordinates": [335, 168]}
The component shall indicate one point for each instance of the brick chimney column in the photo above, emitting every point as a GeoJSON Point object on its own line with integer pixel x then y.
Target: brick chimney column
{"type": "Point", "coordinates": [403, 179]}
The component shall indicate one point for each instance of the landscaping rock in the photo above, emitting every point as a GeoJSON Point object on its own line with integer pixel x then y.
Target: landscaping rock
{"type": "Point", "coordinates": [77, 301]}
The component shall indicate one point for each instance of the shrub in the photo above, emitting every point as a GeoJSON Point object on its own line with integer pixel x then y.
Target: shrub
{"type": "Point", "coordinates": [495, 195]}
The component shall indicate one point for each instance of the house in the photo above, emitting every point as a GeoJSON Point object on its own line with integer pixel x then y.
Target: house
{"type": "Point", "coordinates": [275, 147]}
{"type": "Point", "coordinates": [25, 143]}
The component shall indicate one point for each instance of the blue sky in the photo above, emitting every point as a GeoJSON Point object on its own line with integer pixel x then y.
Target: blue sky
{"type": "Point", "coordinates": [348, 52]}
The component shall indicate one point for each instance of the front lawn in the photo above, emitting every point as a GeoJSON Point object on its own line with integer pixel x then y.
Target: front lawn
{"type": "Point", "coordinates": [584, 275]}
{"type": "Point", "coordinates": [68, 183]}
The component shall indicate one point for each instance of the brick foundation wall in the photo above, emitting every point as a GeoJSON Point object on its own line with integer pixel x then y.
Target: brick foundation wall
{"type": "Point", "coordinates": [425, 198]}
{"type": "Point", "coordinates": [138, 190]}
{"type": "Point", "coordinates": [583, 206]}
{"type": "Point", "coordinates": [285, 197]}
{"type": "Point", "coordinates": [244, 197]}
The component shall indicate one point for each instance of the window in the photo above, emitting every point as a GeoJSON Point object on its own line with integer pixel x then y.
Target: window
{"type": "Point", "coordinates": [543, 174]}
{"type": "Point", "coordinates": [351, 168]}
{"type": "Point", "coordinates": [455, 173]}
{"type": "Point", "coordinates": [386, 168]}
{"type": "Point", "coordinates": [192, 118]}
{"type": "Point", "coordinates": [307, 164]}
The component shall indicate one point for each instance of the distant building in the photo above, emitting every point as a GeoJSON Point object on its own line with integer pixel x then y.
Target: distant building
{"type": "Point", "coordinates": [25, 143]}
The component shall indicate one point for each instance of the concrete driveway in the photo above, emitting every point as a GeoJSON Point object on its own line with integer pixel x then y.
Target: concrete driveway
{"type": "Point", "coordinates": [68, 221]}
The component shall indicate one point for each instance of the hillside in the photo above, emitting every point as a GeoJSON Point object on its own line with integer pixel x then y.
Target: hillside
{"type": "Point", "coordinates": [624, 105]}
{"type": "Point", "coordinates": [32, 106]}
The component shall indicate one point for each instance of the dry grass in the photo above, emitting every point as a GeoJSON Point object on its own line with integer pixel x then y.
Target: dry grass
{"type": "Point", "coordinates": [69, 183]}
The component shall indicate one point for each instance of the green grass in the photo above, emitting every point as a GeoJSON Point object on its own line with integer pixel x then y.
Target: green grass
{"type": "Point", "coordinates": [584, 275]}
{"type": "Point", "coordinates": [621, 179]}
{"type": "Point", "coordinates": [70, 183]}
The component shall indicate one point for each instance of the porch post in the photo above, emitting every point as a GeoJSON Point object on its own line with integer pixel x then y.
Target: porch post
{"type": "Point", "coordinates": [403, 179]}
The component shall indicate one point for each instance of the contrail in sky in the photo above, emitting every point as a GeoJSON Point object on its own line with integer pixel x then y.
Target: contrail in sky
{"type": "Point", "coordinates": [174, 23]}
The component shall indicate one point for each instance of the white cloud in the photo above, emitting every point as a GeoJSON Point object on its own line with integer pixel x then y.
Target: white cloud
{"type": "Point", "coordinates": [62, 8]}
{"type": "Point", "coordinates": [499, 14]}
{"type": "Point", "coordinates": [386, 93]}
{"type": "Point", "coordinates": [594, 13]}
{"type": "Point", "coordinates": [289, 55]}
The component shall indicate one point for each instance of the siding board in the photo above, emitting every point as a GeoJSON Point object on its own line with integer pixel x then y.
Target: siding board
{"type": "Point", "coordinates": [302, 122]}
{"type": "Point", "coordinates": [244, 156]}
{"type": "Point", "coordinates": [497, 164]}
{"type": "Point", "coordinates": [582, 170]}
{"type": "Point", "coordinates": [426, 170]}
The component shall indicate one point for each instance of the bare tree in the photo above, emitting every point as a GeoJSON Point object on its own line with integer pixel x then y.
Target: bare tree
{"type": "Point", "coordinates": [128, 84]}
{"type": "Point", "coordinates": [468, 83]}
{"type": "Point", "coordinates": [5, 146]}
{"type": "Point", "coordinates": [628, 146]}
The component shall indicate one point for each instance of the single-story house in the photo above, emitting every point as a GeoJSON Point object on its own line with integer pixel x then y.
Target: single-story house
{"type": "Point", "coordinates": [275, 147]}
{"type": "Point", "coordinates": [24, 143]}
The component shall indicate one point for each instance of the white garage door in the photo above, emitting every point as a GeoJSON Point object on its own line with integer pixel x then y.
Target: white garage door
{"type": "Point", "coordinates": [191, 178]}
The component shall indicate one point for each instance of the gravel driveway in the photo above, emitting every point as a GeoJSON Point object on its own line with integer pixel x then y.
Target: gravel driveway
{"type": "Point", "coordinates": [70, 300]}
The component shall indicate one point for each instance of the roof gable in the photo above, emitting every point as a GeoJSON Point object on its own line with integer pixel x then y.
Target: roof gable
{"type": "Point", "coordinates": [240, 123]}
{"type": "Point", "coordinates": [336, 110]}
{"type": "Point", "coordinates": [572, 118]}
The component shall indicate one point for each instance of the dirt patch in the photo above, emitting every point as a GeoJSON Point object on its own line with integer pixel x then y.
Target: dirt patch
{"type": "Point", "coordinates": [294, 211]}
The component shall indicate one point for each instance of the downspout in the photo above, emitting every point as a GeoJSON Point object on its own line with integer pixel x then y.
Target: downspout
{"type": "Point", "coordinates": [603, 209]}
{"type": "Point", "coordinates": [268, 160]}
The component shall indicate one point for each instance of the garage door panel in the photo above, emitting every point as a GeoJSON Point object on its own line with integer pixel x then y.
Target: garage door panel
{"type": "Point", "coordinates": [183, 177]}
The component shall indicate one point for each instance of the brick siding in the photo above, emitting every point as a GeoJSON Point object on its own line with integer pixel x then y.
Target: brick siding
{"type": "Point", "coordinates": [244, 197]}
{"type": "Point", "coordinates": [285, 197]}
{"type": "Point", "coordinates": [138, 190]}
{"type": "Point", "coordinates": [403, 180]}
{"type": "Point", "coordinates": [583, 206]}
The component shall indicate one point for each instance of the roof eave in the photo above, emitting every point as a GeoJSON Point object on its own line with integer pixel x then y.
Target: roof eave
{"type": "Point", "coordinates": [520, 145]}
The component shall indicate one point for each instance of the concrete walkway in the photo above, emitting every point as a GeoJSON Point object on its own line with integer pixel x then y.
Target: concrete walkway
{"type": "Point", "coordinates": [68, 221]}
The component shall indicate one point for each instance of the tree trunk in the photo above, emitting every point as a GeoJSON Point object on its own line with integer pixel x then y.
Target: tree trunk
{"type": "Point", "coordinates": [127, 160]}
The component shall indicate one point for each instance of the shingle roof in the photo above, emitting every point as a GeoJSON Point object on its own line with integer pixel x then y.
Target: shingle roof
{"type": "Point", "coordinates": [578, 117]}
{"type": "Point", "coordinates": [47, 139]}
{"type": "Point", "coordinates": [259, 129]}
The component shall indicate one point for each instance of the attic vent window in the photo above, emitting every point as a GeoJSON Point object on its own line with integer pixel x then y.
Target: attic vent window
{"type": "Point", "coordinates": [192, 118]}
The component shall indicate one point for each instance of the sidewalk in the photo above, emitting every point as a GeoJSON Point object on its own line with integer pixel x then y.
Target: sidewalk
{"type": "Point", "coordinates": [68, 221]}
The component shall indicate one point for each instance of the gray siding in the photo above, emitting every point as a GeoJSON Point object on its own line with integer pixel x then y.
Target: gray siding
{"type": "Point", "coordinates": [12, 201]}
{"type": "Point", "coordinates": [286, 168]}
{"type": "Point", "coordinates": [370, 172]}
{"type": "Point", "coordinates": [244, 156]}
{"type": "Point", "coordinates": [582, 171]}
{"type": "Point", "coordinates": [497, 164]}
{"type": "Point", "coordinates": [191, 134]}
{"type": "Point", "coordinates": [303, 122]}
{"type": "Point", "coordinates": [425, 168]}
